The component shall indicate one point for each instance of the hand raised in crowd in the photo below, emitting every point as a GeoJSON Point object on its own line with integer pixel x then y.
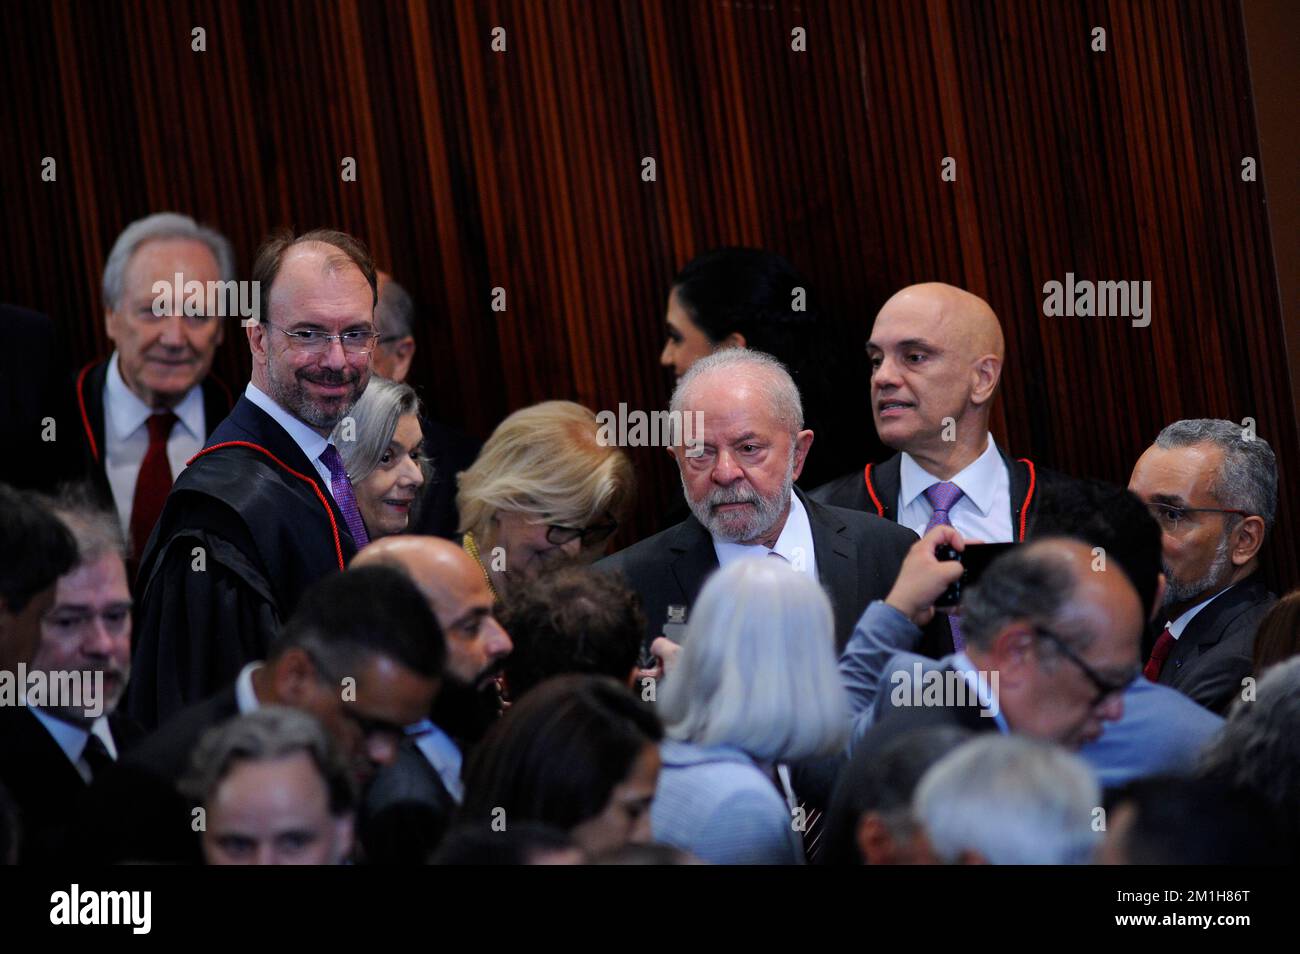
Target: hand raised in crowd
{"type": "Point", "coordinates": [923, 577]}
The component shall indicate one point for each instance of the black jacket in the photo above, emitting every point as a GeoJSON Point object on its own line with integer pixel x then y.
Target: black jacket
{"type": "Point", "coordinates": [449, 452]}
{"type": "Point", "coordinates": [857, 555]}
{"type": "Point", "coordinates": [1216, 651]}
{"type": "Point", "coordinates": [248, 526]}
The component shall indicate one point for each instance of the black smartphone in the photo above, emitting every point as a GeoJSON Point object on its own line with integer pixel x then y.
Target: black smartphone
{"type": "Point", "coordinates": [974, 560]}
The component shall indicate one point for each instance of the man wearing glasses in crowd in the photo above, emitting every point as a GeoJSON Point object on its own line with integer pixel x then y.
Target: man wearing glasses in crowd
{"type": "Point", "coordinates": [1212, 486]}
{"type": "Point", "coordinates": [266, 508]}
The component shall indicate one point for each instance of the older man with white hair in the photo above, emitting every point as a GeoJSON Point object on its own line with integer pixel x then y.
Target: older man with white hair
{"type": "Point", "coordinates": [744, 505]}
{"type": "Point", "coordinates": [149, 407]}
{"type": "Point", "coordinates": [1008, 800]}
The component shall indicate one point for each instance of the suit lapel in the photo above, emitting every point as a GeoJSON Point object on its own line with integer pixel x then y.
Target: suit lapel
{"type": "Point", "coordinates": [837, 561]}
{"type": "Point", "coordinates": [694, 558]}
{"type": "Point", "coordinates": [1210, 624]}
{"type": "Point", "coordinates": [885, 481]}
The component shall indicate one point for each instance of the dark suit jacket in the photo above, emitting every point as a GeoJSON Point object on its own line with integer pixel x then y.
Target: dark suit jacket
{"type": "Point", "coordinates": [449, 452]}
{"type": "Point", "coordinates": [405, 811]}
{"type": "Point", "coordinates": [31, 372]}
{"type": "Point", "coordinates": [265, 526]}
{"type": "Point", "coordinates": [87, 438]}
{"type": "Point", "coordinates": [47, 788]}
{"type": "Point", "coordinates": [875, 488]}
{"type": "Point", "coordinates": [857, 556]}
{"type": "Point", "coordinates": [1216, 651]}
{"type": "Point", "coordinates": [139, 813]}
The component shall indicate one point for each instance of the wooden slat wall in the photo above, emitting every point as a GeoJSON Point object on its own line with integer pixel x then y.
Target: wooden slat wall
{"type": "Point", "coordinates": [522, 170]}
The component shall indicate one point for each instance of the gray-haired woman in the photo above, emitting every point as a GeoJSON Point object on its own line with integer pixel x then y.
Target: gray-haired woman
{"type": "Point", "coordinates": [381, 442]}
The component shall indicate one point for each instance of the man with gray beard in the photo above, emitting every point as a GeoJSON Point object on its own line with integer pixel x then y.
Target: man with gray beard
{"type": "Point", "coordinates": [266, 508]}
{"type": "Point", "coordinates": [744, 505]}
{"type": "Point", "coordinates": [1212, 487]}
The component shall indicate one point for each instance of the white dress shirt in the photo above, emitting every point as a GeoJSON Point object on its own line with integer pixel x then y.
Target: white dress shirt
{"type": "Point", "coordinates": [1177, 626]}
{"type": "Point", "coordinates": [126, 437]}
{"type": "Point", "coordinates": [982, 513]}
{"type": "Point", "coordinates": [72, 738]}
{"type": "Point", "coordinates": [983, 686]}
{"type": "Point", "coordinates": [245, 697]}
{"type": "Point", "coordinates": [795, 543]}
{"type": "Point", "coordinates": [311, 443]}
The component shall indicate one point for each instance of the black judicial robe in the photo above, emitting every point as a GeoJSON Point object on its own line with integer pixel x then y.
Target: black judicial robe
{"type": "Point", "coordinates": [247, 527]}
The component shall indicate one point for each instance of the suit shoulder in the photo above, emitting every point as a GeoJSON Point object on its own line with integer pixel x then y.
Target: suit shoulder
{"type": "Point", "coordinates": [649, 550]}
{"type": "Point", "coordinates": [847, 491]}
{"type": "Point", "coordinates": [873, 527]}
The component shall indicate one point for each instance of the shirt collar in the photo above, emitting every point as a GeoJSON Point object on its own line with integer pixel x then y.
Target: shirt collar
{"type": "Point", "coordinates": [311, 443]}
{"type": "Point", "coordinates": [984, 687]}
{"type": "Point", "coordinates": [245, 696]}
{"type": "Point", "coordinates": [126, 413]}
{"type": "Point", "coordinates": [442, 753]}
{"type": "Point", "coordinates": [1177, 626]}
{"type": "Point", "coordinates": [72, 738]}
{"type": "Point", "coordinates": [795, 536]}
{"type": "Point", "coordinates": [976, 480]}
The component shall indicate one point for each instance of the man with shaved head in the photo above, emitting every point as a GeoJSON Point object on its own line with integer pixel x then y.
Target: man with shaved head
{"type": "Point", "coordinates": [266, 508]}
{"type": "Point", "coordinates": [936, 356]}
{"type": "Point", "coordinates": [411, 802]}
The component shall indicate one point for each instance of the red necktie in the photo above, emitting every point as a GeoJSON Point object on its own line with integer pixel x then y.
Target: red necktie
{"type": "Point", "coordinates": [153, 483]}
{"type": "Point", "coordinates": [1159, 653]}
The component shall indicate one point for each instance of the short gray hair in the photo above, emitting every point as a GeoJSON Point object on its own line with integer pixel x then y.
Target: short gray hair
{"type": "Point", "coordinates": [757, 670]}
{"type": "Point", "coordinates": [782, 392]}
{"type": "Point", "coordinates": [263, 735]}
{"type": "Point", "coordinates": [395, 312]}
{"type": "Point", "coordinates": [373, 422]}
{"type": "Point", "coordinates": [1259, 746]}
{"type": "Point", "coordinates": [161, 225]}
{"type": "Point", "coordinates": [1012, 800]}
{"type": "Point", "coordinates": [92, 524]}
{"type": "Point", "coordinates": [1027, 583]}
{"type": "Point", "coordinates": [1247, 479]}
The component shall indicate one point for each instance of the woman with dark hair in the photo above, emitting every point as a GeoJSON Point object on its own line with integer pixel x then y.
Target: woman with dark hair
{"type": "Point", "coordinates": [752, 298]}
{"type": "Point", "coordinates": [578, 753]}
{"type": "Point", "coordinates": [1278, 636]}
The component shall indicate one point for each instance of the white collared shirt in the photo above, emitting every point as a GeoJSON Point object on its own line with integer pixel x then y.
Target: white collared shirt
{"type": "Point", "coordinates": [443, 754]}
{"type": "Point", "coordinates": [1177, 626]}
{"type": "Point", "coordinates": [126, 438]}
{"type": "Point", "coordinates": [795, 543]}
{"type": "Point", "coordinates": [245, 697]}
{"type": "Point", "coordinates": [982, 513]}
{"type": "Point", "coordinates": [983, 689]}
{"type": "Point", "coordinates": [72, 738]}
{"type": "Point", "coordinates": [311, 443]}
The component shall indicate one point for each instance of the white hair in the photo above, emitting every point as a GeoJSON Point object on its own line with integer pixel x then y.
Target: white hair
{"type": "Point", "coordinates": [782, 393]}
{"type": "Point", "coordinates": [161, 225]}
{"type": "Point", "coordinates": [757, 670]}
{"type": "Point", "coordinates": [1012, 800]}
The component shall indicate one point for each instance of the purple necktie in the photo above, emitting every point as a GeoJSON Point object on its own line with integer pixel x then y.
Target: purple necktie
{"type": "Point", "coordinates": [343, 496]}
{"type": "Point", "coordinates": [942, 497]}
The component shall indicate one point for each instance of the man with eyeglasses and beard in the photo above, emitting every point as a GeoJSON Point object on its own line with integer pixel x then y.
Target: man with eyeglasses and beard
{"type": "Point", "coordinates": [1212, 486]}
{"type": "Point", "coordinates": [266, 508]}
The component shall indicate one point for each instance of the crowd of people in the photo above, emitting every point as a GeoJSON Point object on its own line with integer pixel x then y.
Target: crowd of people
{"type": "Point", "coordinates": [317, 625]}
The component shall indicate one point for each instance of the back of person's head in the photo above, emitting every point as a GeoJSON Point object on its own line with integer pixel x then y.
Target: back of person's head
{"type": "Point", "coordinates": [1107, 516]}
{"type": "Point", "coordinates": [35, 549]}
{"type": "Point", "coordinates": [1259, 746]}
{"type": "Point", "coordinates": [1192, 821]}
{"type": "Point", "coordinates": [753, 293]}
{"type": "Point", "coordinates": [882, 782]}
{"type": "Point", "coordinates": [522, 843]}
{"type": "Point", "coordinates": [1025, 583]}
{"type": "Point", "coordinates": [556, 755]}
{"type": "Point", "coordinates": [1278, 636]}
{"type": "Point", "coordinates": [1010, 800]}
{"type": "Point", "coordinates": [758, 667]}
{"type": "Point", "coordinates": [346, 619]}
{"type": "Point", "coordinates": [575, 620]}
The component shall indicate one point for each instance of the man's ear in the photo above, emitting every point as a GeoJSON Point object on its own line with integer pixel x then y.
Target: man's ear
{"type": "Point", "coordinates": [112, 324]}
{"type": "Point", "coordinates": [293, 677]}
{"type": "Point", "coordinates": [1011, 654]}
{"type": "Point", "coordinates": [1247, 540]}
{"type": "Point", "coordinates": [987, 371]}
{"type": "Point", "coordinates": [802, 442]}
{"type": "Point", "coordinates": [257, 340]}
{"type": "Point", "coordinates": [733, 340]}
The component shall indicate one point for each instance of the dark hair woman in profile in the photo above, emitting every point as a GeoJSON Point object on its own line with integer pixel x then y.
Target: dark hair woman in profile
{"type": "Point", "coordinates": [579, 753]}
{"type": "Point", "coordinates": [751, 298]}
{"type": "Point", "coordinates": [1278, 636]}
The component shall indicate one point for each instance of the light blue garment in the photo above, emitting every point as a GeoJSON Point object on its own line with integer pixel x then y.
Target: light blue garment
{"type": "Point", "coordinates": [1161, 732]}
{"type": "Point", "coordinates": [718, 805]}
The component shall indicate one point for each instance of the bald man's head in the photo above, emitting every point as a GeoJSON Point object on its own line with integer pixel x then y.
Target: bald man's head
{"type": "Point", "coordinates": [936, 355]}
{"type": "Point", "coordinates": [453, 583]}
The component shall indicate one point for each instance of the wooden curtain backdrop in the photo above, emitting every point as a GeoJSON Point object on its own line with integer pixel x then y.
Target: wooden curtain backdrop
{"type": "Point", "coordinates": [522, 169]}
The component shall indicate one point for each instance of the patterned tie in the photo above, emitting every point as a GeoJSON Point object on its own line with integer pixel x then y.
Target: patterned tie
{"type": "Point", "coordinates": [153, 482]}
{"type": "Point", "coordinates": [342, 489]}
{"type": "Point", "coordinates": [943, 496]}
{"type": "Point", "coordinates": [1159, 653]}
